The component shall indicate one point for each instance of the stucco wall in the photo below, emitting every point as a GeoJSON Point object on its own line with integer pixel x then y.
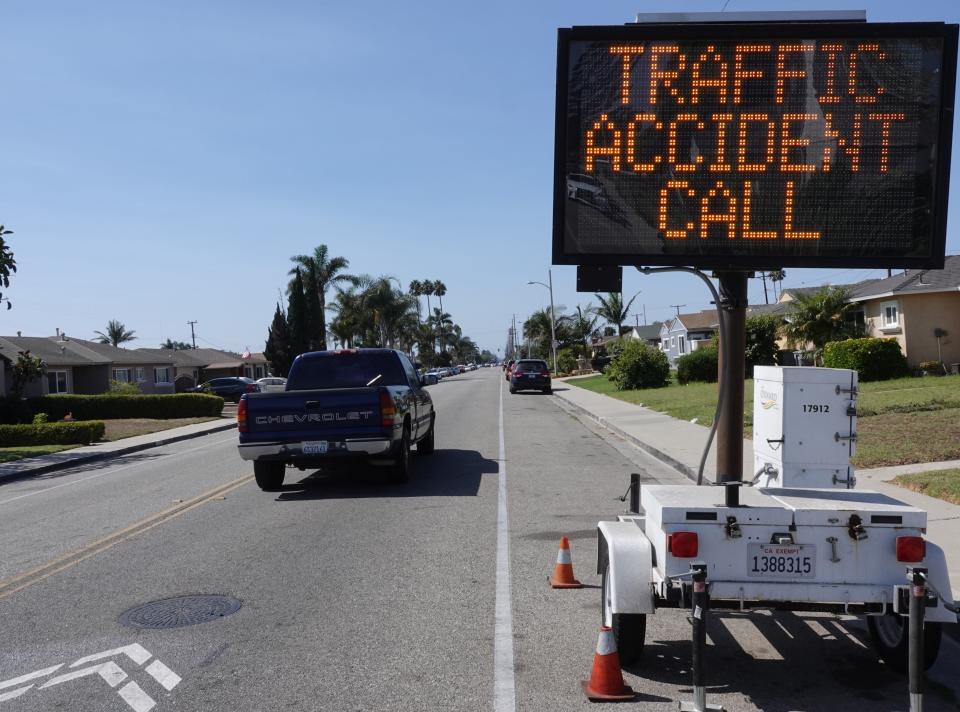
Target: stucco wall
{"type": "Point", "coordinates": [922, 313]}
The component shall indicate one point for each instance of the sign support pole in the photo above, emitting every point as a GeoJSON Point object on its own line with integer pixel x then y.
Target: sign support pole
{"type": "Point", "coordinates": [732, 309]}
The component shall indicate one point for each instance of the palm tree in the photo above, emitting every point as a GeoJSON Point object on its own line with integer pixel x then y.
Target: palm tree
{"type": "Point", "coordinates": [536, 329]}
{"type": "Point", "coordinates": [819, 317]}
{"type": "Point", "coordinates": [613, 309]}
{"type": "Point", "coordinates": [416, 289]}
{"type": "Point", "coordinates": [581, 325]}
{"type": "Point", "coordinates": [8, 265]}
{"type": "Point", "coordinates": [777, 275]}
{"type": "Point", "coordinates": [439, 289]}
{"type": "Point", "coordinates": [170, 344]}
{"type": "Point", "coordinates": [320, 272]}
{"type": "Point", "coordinates": [116, 334]}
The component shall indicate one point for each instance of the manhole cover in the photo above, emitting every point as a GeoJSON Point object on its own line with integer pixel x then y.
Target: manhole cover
{"type": "Point", "coordinates": [180, 611]}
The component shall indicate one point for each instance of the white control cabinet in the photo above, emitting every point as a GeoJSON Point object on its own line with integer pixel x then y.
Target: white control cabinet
{"type": "Point", "coordinates": [804, 426]}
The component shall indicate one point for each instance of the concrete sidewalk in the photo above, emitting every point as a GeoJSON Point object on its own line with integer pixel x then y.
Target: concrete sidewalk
{"type": "Point", "coordinates": [680, 444]}
{"type": "Point", "coordinates": [32, 466]}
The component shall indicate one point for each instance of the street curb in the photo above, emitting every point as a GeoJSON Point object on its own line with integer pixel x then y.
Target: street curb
{"type": "Point", "coordinates": [689, 472]}
{"type": "Point", "coordinates": [66, 464]}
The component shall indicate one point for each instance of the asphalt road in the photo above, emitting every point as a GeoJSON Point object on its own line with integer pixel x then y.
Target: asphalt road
{"type": "Point", "coordinates": [361, 595]}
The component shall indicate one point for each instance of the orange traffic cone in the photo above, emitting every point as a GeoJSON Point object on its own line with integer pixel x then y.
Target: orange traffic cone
{"type": "Point", "coordinates": [606, 681]}
{"type": "Point", "coordinates": [563, 571]}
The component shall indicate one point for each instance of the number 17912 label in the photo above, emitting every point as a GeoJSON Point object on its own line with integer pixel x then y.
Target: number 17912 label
{"type": "Point", "coordinates": [781, 560]}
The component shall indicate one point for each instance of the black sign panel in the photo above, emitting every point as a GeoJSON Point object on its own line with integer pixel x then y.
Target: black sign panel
{"type": "Point", "coordinates": [754, 146]}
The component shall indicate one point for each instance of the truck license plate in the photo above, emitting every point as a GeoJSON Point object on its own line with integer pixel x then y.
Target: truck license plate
{"type": "Point", "coordinates": [314, 447]}
{"type": "Point", "coordinates": [781, 560]}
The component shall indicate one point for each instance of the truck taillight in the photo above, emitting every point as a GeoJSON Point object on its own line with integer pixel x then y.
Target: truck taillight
{"type": "Point", "coordinates": [242, 415]}
{"type": "Point", "coordinates": [388, 409]}
{"type": "Point", "coordinates": [911, 549]}
{"type": "Point", "coordinates": [683, 545]}
{"type": "Point", "coordinates": [251, 387]}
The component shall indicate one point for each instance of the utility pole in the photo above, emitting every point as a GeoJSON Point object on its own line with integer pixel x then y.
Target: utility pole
{"type": "Point", "coordinates": [763, 276]}
{"type": "Point", "coordinates": [553, 319]}
{"type": "Point", "coordinates": [193, 336]}
{"type": "Point", "coordinates": [677, 307]}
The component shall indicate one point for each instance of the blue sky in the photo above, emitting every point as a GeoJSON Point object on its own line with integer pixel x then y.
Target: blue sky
{"type": "Point", "coordinates": [162, 161]}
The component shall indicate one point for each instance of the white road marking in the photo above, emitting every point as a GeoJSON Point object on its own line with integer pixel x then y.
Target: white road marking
{"type": "Point", "coordinates": [504, 692]}
{"type": "Point", "coordinates": [29, 676]}
{"type": "Point", "coordinates": [13, 694]}
{"type": "Point", "coordinates": [164, 675]}
{"type": "Point", "coordinates": [134, 696]}
{"type": "Point", "coordinates": [114, 471]}
{"type": "Point", "coordinates": [109, 671]}
{"type": "Point", "coordinates": [134, 651]}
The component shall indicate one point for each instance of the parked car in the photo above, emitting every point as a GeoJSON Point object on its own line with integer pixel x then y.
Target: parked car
{"type": "Point", "coordinates": [530, 374]}
{"type": "Point", "coordinates": [437, 373]}
{"type": "Point", "coordinates": [272, 384]}
{"type": "Point", "coordinates": [429, 378]}
{"type": "Point", "coordinates": [229, 388]}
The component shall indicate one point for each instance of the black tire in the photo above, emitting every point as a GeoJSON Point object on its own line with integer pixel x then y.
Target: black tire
{"type": "Point", "coordinates": [426, 445]}
{"type": "Point", "coordinates": [891, 641]}
{"type": "Point", "coordinates": [548, 391]}
{"type": "Point", "coordinates": [629, 629]}
{"type": "Point", "coordinates": [512, 389]}
{"type": "Point", "coordinates": [269, 475]}
{"type": "Point", "coordinates": [400, 472]}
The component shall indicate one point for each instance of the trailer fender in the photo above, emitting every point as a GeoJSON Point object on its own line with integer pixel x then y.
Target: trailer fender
{"type": "Point", "coordinates": [938, 574]}
{"type": "Point", "coordinates": [630, 556]}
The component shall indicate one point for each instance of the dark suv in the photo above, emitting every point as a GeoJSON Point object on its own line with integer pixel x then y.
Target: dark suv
{"type": "Point", "coordinates": [228, 388]}
{"type": "Point", "coordinates": [530, 374]}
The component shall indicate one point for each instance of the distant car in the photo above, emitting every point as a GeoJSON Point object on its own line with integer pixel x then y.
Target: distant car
{"type": "Point", "coordinates": [272, 384]}
{"type": "Point", "coordinates": [530, 374]}
{"type": "Point", "coordinates": [230, 388]}
{"type": "Point", "coordinates": [586, 188]}
{"type": "Point", "coordinates": [429, 378]}
{"type": "Point", "coordinates": [437, 373]}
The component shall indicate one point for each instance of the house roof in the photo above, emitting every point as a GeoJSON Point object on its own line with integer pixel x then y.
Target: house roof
{"type": "Point", "coordinates": [68, 351]}
{"type": "Point", "coordinates": [706, 319]}
{"type": "Point", "coordinates": [912, 281]}
{"type": "Point", "coordinates": [648, 331]}
{"type": "Point", "coordinates": [207, 358]}
{"type": "Point", "coordinates": [794, 292]}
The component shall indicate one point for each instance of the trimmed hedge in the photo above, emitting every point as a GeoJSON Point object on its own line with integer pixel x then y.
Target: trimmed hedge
{"type": "Point", "coordinates": [76, 433]}
{"type": "Point", "coordinates": [103, 407]}
{"type": "Point", "coordinates": [874, 359]}
{"type": "Point", "coordinates": [699, 366]}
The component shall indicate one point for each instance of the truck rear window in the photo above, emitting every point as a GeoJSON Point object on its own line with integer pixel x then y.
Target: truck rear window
{"type": "Point", "coordinates": [346, 370]}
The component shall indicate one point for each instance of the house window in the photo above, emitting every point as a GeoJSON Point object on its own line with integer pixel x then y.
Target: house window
{"type": "Point", "coordinates": [122, 375]}
{"type": "Point", "coordinates": [161, 374]}
{"type": "Point", "coordinates": [890, 315]}
{"type": "Point", "coordinates": [140, 377]}
{"type": "Point", "coordinates": [57, 381]}
{"type": "Point", "coordinates": [259, 371]}
{"type": "Point", "coordinates": [248, 371]}
{"type": "Point", "coordinates": [682, 344]}
{"type": "Point", "coordinates": [673, 341]}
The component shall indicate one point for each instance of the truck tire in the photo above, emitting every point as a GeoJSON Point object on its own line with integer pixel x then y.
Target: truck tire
{"type": "Point", "coordinates": [629, 629]}
{"type": "Point", "coordinates": [400, 472]}
{"type": "Point", "coordinates": [426, 444]}
{"type": "Point", "coordinates": [889, 634]}
{"type": "Point", "coordinates": [269, 475]}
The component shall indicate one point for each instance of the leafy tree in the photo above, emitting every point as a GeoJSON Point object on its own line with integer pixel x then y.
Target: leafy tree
{"type": "Point", "coordinates": [26, 369]}
{"type": "Point", "coordinates": [819, 318]}
{"type": "Point", "coordinates": [536, 330]}
{"type": "Point", "coordinates": [7, 264]}
{"type": "Point", "coordinates": [115, 334]}
{"type": "Point", "coordinates": [761, 344]}
{"type": "Point", "coordinates": [175, 345]}
{"type": "Point", "coordinates": [297, 317]}
{"type": "Point", "coordinates": [440, 289]}
{"type": "Point", "coordinates": [614, 310]}
{"type": "Point", "coordinates": [277, 349]}
{"type": "Point", "coordinates": [319, 272]}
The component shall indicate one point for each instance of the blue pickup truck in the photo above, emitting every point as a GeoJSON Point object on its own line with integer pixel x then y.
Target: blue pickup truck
{"type": "Point", "coordinates": [339, 407]}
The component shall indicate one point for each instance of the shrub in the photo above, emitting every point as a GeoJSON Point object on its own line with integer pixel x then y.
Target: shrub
{"type": "Point", "coordinates": [121, 388]}
{"type": "Point", "coordinates": [566, 359]}
{"type": "Point", "coordinates": [761, 341]}
{"type": "Point", "coordinates": [932, 367]}
{"type": "Point", "coordinates": [40, 418]}
{"type": "Point", "coordinates": [873, 359]}
{"type": "Point", "coordinates": [80, 433]}
{"type": "Point", "coordinates": [699, 365]}
{"type": "Point", "coordinates": [638, 365]}
{"type": "Point", "coordinates": [104, 406]}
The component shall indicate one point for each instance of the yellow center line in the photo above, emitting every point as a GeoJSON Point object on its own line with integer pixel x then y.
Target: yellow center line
{"type": "Point", "coordinates": [72, 558]}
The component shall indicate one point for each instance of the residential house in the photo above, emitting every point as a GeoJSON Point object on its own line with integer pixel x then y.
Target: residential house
{"type": "Point", "coordinates": [84, 367]}
{"type": "Point", "coordinates": [195, 366]}
{"type": "Point", "coordinates": [649, 333]}
{"type": "Point", "coordinates": [687, 332]}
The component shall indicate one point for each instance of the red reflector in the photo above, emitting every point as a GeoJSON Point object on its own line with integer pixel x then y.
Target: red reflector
{"type": "Point", "coordinates": [242, 416]}
{"type": "Point", "coordinates": [388, 409]}
{"type": "Point", "coordinates": [911, 548]}
{"type": "Point", "coordinates": [251, 387]}
{"type": "Point", "coordinates": [683, 544]}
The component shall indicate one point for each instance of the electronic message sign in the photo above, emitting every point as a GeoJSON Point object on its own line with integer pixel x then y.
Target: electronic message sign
{"type": "Point", "coordinates": [754, 146]}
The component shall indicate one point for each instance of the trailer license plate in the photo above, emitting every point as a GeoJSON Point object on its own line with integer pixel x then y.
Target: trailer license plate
{"type": "Point", "coordinates": [314, 447]}
{"type": "Point", "coordinates": [781, 560]}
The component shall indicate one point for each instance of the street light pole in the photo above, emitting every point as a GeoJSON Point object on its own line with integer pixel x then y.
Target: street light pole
{"type": "Point", "coordinates": [553, 318]}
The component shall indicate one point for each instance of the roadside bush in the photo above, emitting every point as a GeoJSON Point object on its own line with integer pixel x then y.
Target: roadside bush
{"type": "Point", "coordinates": [933, 367]}
{"type": "Point", "coordinates": [638, 365]}
{"type": "Point", "coordinates": [874, 359]}
{"type": "Point", "coordinates": [567, 359]}
{"type": "Point", "coordinates": [40, 418]}
{"type": "Point", "coordinates": [80, 433]}
{"type": "Point", "coordinates": [121, 388]}
{"type": "Point", "coordinates": [699, 366]}
{"type": "Point", "coordinates": [104, 406]}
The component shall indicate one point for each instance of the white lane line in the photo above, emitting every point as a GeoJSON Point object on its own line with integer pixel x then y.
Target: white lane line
{"type": "Point", "coordinates": [12, 682]}
{"type": "Point", "coordinates": [14, 694]}
{"type": "Point", "coordinates": [115, 471]}
{"type": "Point", "coordinates": [134, 696]}
{"type": "Point", "coordinates": [504, 692]}
{"type": "Point", "coordinates": [164, 675]}
{"type": "Point", "coordinates": [134, 651]}
{"type": "Point", "coordinates": [109, 671]}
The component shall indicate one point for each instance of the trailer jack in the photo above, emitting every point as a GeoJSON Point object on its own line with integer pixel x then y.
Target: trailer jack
{"type": "Point", "coordinates": [700, 605]}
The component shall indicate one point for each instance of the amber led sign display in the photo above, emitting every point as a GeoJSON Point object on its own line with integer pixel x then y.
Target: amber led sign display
{"type": "Point", "coordinates": [754, 146]}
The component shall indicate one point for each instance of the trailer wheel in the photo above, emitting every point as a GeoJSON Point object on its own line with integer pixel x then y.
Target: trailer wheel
{"type": "Point", "coordinates": [629, 629]}
{"type": "Point", "coordinates": [269, 475]}
{"type": "Point", "coordinates": [889, 634]}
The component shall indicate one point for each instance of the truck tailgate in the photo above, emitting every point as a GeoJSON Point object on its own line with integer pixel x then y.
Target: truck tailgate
{"type": "Point", "coordinates": [313, 415]}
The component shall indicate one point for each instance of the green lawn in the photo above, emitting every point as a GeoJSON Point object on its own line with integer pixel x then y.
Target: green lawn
{"type": "Point", "coordinates": [9, 454]}
{"type": "Point", "coordinates": [943, 484]}
{"type": "Point", "coordinates": [923, 412]}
